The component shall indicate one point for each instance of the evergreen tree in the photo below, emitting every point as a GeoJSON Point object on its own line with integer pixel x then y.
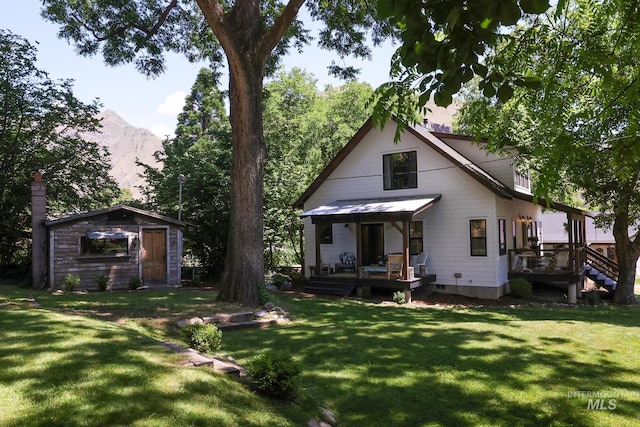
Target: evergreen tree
{"type": "Point", "coordinates": [201, 152]}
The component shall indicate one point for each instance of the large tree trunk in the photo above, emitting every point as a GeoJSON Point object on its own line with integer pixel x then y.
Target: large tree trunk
{"type": "Point", "coordinates": [247, 45]}
{"type": "Point", "coordinates": [244, 267]}
{"type": "Point", "coordinates": [627, 252]}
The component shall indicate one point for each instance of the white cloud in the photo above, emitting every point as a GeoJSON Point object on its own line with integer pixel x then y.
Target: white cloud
{"type": "Point", "coordinates": [172, 104]}
{"type": "Point", "coordinates": [162, 131]}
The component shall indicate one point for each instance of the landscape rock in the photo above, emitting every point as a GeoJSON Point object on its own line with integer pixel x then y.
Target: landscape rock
{"type": "Point", "coordinates": [262, 313]}
{"type": "Point", "coordinates": [323, 424]}
{"type": "Point", "coordinates": [192, 321]}
{"type": "Point", "coordinates": [328, 417]}
{"type": "Point", "coordinates": [312, 423]}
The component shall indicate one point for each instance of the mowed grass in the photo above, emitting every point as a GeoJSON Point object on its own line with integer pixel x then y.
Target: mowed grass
{"type": "Point", "coordinates": [372, 364]}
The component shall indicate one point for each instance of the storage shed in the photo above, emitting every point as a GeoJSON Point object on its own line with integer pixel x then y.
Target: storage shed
{"type": "Point", "coordinates": [119, 242]}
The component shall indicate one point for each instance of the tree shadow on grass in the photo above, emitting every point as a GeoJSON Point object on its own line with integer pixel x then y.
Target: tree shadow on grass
{"type": "Point", "coordinates": [70, 370]}
{"type": "Point", "coordinates": [382, 365]}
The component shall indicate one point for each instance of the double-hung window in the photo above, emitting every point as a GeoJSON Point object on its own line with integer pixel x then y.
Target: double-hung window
{"type": "Point", "coordinates": [400, 170]}
{"type": "Point", "coordinates": [478, 234]}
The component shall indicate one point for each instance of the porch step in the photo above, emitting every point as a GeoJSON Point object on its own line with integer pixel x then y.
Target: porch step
{"type": "Point", "coordinates": [339, 290]}
{"type": "Point", "coordinates": [330, 286]}
{"type": "Point", "coordinates": [600, 279]}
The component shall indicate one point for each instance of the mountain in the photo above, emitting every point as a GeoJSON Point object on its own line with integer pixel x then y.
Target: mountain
{"type": "Point", "coordinates": [126, 143]}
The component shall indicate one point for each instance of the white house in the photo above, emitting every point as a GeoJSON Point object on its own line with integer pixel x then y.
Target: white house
{"type": "Point", "coordinates": [433, 193]}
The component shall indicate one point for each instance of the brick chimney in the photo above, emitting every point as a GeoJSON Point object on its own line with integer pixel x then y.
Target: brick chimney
{"type": "Point", "coordinates": [38, 231]}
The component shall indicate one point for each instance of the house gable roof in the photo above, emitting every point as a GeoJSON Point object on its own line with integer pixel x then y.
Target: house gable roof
{"type": "Point", "coordinates": [90, 214]}
{"type": "Point", "coordinates": [434, 141]}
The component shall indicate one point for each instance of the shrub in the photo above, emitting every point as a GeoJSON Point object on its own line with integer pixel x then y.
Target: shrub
{"type": "Point", "coordinates": [274, 374]}
{"type": "Point", "coordinates": [196, 281]}
{"type": "Point", "coordinates": [593, 297]}
{"type": "Point", "coordinates": [364, 292]}
{"type": "Point", "coordinates": [520, 288]}
{"type": "Point", "coordinates": [103, 282]}
{"type": "Point", "coordinates": [135, 282]}
{"type": "Point", "coordinates": [279, 280]}
{"type": "Point", "coordinates": [71, 282]}
{"type": "Point", "coordinates": [263, 294]}
{"type": "Point", "coordinates": [204, 338]}
{"type": "Point", "coordinates": [399, 297]}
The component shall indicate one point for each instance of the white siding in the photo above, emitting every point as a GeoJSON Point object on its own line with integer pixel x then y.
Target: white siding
{"type": "Point", "coordinates": [500, 167]}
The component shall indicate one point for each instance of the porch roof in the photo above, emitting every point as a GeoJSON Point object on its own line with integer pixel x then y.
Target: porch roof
{"type": "Point", "coordinates": [376, 209]}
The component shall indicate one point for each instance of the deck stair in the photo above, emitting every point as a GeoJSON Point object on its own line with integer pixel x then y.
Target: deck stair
{"type": "Point", "coordinates": [602, 270]}
{"type": "Point", "coordinates": [331, 285]}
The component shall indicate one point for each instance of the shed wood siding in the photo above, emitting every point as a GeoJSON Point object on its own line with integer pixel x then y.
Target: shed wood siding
{"type": "Point", "coordinates": [66, 258]}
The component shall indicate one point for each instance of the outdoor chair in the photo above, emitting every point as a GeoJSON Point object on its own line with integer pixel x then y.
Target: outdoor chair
{"type": "Point", "coordinates": [394, 265]}
{"type": "Point", "coordinates": [419, 265]}
{"type": "Point", "coordinates": [348, 261]}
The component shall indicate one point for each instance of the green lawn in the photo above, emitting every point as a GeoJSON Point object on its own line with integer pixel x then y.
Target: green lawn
{"type": "Point", "coordinates": [372, 364]}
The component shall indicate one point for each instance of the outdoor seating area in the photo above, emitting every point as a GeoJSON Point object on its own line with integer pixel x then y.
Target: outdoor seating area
{"type": "Point", "coordinates": [556, 260]}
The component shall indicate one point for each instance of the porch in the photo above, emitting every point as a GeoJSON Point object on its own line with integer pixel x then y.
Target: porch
{"type": "Point", "coordinates": [346, 284]}
{"type": "Point", "coordinates": [367, 215]}
{"type": "Point", "coordinates": [561, 265]}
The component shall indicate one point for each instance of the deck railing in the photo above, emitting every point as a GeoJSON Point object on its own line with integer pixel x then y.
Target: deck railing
{"type": "Point", "coordinates": [556, 260]}
{"type": "Point", "coordinates": [602, 263]}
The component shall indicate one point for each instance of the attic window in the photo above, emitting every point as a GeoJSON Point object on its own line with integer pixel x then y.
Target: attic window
{"type": "Point", "coordinates": [400, 170]}
{"type": "Point", "coordinates": [523, 179]}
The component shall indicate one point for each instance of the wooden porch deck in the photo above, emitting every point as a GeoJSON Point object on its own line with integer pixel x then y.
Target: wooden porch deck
{"type": "Point", "coordinates": [545, 267]}
{"type": "Point", "coordinates": [344, 284]}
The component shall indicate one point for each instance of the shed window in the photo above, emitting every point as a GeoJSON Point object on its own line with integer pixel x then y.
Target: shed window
{"type": "Point", "coordinates": [478, 232]}
{"type": "Point", "coordinates": [400, 170]}
{"type": "Point", "coordinates": [104, 246]}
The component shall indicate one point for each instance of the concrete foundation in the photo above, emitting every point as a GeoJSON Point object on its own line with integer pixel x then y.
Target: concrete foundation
{"type": "Point", "coordinates": [483, 292]}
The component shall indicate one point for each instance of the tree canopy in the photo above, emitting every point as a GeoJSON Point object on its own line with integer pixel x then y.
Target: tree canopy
{"type": "Point", "coordinates": [41, 123]}
{"type": "Point", "coordinates": [444, 45]}
{"type": "Point", "coordinates": [583, 125]}
{"type": "Point", "coordinates": [304, 129]}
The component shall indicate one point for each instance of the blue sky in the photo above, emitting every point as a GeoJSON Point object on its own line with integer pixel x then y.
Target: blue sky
{"type": "Point", "coordinates": [149, 103]}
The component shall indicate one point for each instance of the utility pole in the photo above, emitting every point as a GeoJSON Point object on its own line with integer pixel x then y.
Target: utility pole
{"type": "Point", "coordinates": [181, 180]}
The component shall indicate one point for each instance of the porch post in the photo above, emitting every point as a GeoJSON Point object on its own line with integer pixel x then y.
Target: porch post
{"type": "Point", "coordinates": [358, 250]}
{"type": "Point", "coordinates": [405, 250]}
{"type": "Point", "coordinates": [570, 227]}
{"type": "Point", "coordinates": [317, 228]}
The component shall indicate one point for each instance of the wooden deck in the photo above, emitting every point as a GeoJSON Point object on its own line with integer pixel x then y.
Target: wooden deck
{"type": "Point", "coordinates": [548, 276]}
{"type": "Point", "coordinates": [345, 284]}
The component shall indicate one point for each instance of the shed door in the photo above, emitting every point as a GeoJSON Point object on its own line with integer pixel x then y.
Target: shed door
{"type": "Point", "coordinates": [154, 255]}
